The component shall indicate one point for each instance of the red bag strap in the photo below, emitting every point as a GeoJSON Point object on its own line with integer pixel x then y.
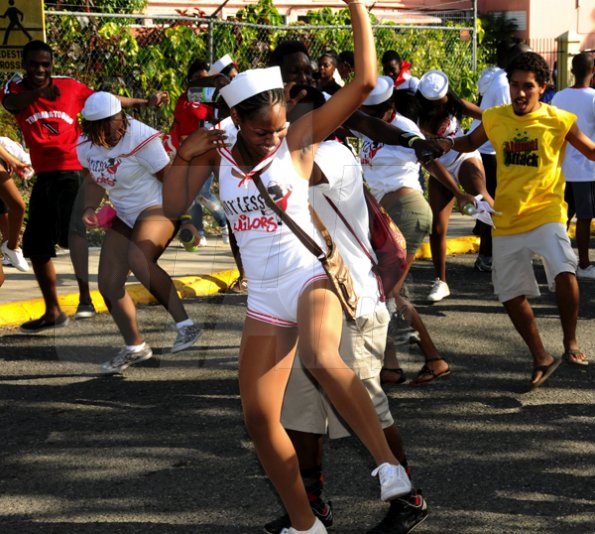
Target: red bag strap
{"type": "Point", "coordinates": [359, 242]}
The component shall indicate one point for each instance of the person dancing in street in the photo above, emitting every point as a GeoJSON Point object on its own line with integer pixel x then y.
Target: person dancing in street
{"type": "Point", "coordinates": [440, 113]}
{"type": "Point", "coordinates": [290, 301]}
{"type": "Point", "coordinates": [392, 172]}
{"type": "Point", "coordinates": [126, 158]}
{"type": "Point", "coordinates": [530, 215]}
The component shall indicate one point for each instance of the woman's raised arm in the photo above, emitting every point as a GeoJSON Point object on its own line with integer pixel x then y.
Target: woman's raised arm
{"type": "Point", "coordinates": [317, 126]}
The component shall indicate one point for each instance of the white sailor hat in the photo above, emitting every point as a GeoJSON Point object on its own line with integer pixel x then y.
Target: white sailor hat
{"type": "Point", "coordinates": [249, 83]}
{"type": "Point", "coordinates": [220, 64]}
{"type": "Point", "coordinates": [381, 92]}
{"type": "Point", "coordinates": [433, 85]}
{"type": "Point", "coordinates": [101, 105]}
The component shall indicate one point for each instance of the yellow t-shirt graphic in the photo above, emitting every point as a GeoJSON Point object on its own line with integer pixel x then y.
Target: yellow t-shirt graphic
{"type": "Point", "coordinates": [530, 151]}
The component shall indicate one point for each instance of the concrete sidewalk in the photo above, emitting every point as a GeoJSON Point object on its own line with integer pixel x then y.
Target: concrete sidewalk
{"type": "Point", "coordinates": [208, 271]}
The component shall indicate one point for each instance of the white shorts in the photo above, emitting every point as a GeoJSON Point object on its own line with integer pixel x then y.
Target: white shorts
{"type": "Point", "coordinates": [454, 167]}
{"type": "Point", "coordinates": [306, 408]}
{"type": "Point", "coordinates": [129, 217]}
{"type": "Point", "coordinates": [512, 266]}
{"type": "Point", "coordinates": [278, 304]}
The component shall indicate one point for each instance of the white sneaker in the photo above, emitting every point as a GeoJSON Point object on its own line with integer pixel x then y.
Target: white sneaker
{"type": "Point", "coordinates": [15, 256]}
{"type": "Point", "coordinates": [394, 481]}
{"type": "Point", "coordinates": [202, 242]}
{"type": "Point", "coordinates": [187, 336]}
{"type": "Point", "coordinates": [316, 528]}
{"type": "Point", "coordinates": [439, 291]}
{"type": "Point", "coordinates": [124, 359]}
{"type": "Point", "coordinates": [588, 273]}
{"type": "Point", "coordinates": [6, 261]}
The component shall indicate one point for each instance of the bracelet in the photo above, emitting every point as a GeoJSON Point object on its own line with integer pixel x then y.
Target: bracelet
{"type": "Point", "coordinates": [412, 140]}
{"type": "Point", "coordinates": [185, 217]}
{"type": "Point", "coordinates": [409, 138]}
{"type": "Point", "coordinates": [184, 160]}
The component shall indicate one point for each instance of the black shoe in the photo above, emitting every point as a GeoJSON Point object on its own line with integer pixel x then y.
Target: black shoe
{"type": "Point", "coordinates": [403, 515]}
{"type": "Point", "coordinates": [483, 263]}
{"type": "Point", "coordinates": [41, 324]}
{"type": "Point", "coordinates": [321, 509]}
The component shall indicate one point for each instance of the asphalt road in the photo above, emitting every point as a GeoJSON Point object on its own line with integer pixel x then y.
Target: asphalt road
{"type": "Point", "coordinates": [164, 450]}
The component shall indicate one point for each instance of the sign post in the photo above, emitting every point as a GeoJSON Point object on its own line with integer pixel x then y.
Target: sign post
{"type": "Point", "coordinates": [21, 21]}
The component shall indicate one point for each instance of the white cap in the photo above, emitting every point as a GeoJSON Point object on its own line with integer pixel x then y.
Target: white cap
{"type": "Point", "coordinates": [433, 85]}
{"type": "Point", "coordinates": [381, 92]}
{"type": "Point", "coordinates": [220, 64]}
{"type": "Point", "coordinates": [101, 105]}
{"type": "Point", "coordinates": [249, 83]}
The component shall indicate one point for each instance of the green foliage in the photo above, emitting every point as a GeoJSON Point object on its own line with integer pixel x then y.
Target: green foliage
{"type": "Point", "coordinates": [8, 125]}
{"type": "Point", "coordinates": [128, 59]}
{"type": "Point", "coordinates": [103, 6]}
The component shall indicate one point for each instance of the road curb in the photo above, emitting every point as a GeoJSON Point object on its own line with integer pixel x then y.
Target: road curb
{"type": "Point", "coordinates": [13, 314]}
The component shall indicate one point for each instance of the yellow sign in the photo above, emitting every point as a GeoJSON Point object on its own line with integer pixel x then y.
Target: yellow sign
{"type": "Point", "coordinates": [21, 21]}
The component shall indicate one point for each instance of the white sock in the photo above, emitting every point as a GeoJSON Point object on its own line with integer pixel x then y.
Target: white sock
{"type": "Point", "coordinates": [185, 322]}
{"type": "Point", "coordinates": [391, 305]}
{"type": "Point", "coordinates": [312, 530]}
{"type": "Point", "coordinates": [136, 348]}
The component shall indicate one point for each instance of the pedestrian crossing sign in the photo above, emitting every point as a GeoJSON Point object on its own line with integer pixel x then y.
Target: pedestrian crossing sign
{"type": "Point", "coordinates": [21, 21]}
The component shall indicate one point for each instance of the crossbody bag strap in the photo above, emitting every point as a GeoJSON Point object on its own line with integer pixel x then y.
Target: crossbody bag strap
{"type": "Point", "coordinates": [307, 241]}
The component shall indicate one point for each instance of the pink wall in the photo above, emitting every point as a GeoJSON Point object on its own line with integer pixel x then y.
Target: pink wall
{"type": "Point", "coordinates": [547, 19]}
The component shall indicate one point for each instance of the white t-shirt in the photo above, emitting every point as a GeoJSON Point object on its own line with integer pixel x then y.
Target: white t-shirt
{"type": "Point", "coordinates": [127, 170]}
{"type": "Point", "coordinates": [581, 102]}
{"type": "Point", "coordinates": [388, 168]}
{"type": "Point", "coordinates": [345, 190]}
{"type": "Point", "coordinates": [495, 91]}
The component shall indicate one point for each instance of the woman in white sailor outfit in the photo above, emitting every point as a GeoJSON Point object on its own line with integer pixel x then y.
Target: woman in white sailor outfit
{"type": "Point", "coordinates": [441, 111]}
{"type": "Point", "coordinates": [392, 172]}
{"type": "Point", "coordinates": [126, 159]}
{"type": "Point", "coordinates": [290, 300]}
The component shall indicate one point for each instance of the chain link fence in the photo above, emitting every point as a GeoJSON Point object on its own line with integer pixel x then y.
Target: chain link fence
{"type": "Point", "coordinates": [136, 55]}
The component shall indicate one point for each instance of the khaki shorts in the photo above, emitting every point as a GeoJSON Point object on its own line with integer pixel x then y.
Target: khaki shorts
{"type": "Point", "coordinates": [512, 265]}
{"type": "Point", "coordinates": [413, 215]}
{"type": "Point", "coordinates": [306, 408]}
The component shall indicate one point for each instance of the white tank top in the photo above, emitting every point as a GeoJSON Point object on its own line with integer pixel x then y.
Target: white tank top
{"type": "Point", "coordinates": [269, 249]}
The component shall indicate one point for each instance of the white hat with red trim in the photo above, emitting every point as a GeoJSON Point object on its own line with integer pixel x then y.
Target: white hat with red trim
{"type": "Point", "coordinates": [220, 64]}
{"type": "Point", "coordinates": [381, 92]}
{"type": "Point", "coordinates": [101, 105]}
{"type": "Point", "coordinates": [249, 83]}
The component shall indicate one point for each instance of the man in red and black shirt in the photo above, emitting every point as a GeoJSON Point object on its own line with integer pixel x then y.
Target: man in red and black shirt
{"type": "Point", "coordinates": [46, 108]}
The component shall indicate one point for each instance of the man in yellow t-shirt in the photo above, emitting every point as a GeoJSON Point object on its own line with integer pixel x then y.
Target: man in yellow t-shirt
{"type": "Point", "coordinates": [530, 139]}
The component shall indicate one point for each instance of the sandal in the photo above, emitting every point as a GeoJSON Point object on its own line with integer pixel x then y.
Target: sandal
{"type": "Point", "coordinates": [571, 356]}
{"type": "Point", "coordinates": [397, 371]}
{"type": "Point", "coordinates": [238, 286]}
{"type": "Point", "coordinates": [546, 372]}
{"type": "Point", "coordinates": [427, 375]}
